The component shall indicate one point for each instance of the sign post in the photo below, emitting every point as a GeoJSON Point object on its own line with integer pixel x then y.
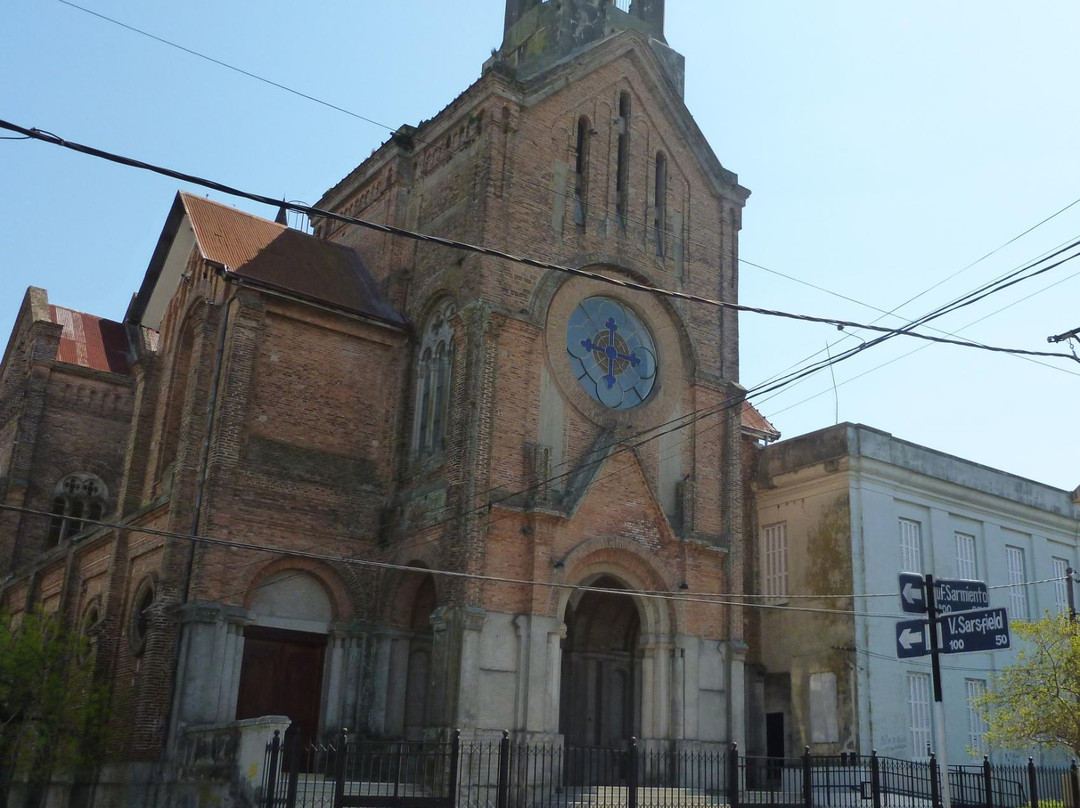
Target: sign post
{"type": "Point", "coordinates": [939, 708]}
{"type": "Point", "coordinates": [957, 620]}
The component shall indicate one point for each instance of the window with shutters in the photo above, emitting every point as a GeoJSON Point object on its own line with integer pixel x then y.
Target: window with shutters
{"type": "Point", "coordinates": [1061, 592]}
{"type": "Point", "coordinates": [910, 545]}
{"type": "Point", "coordinates": [774, 559]}
{"type": "Point", "coordinates": [976, 725]}
{"type": "Point", "coordinates": [1014, 561]}
{"type": "Point", "coordinates": [919, 713]}
{"type": "Point", "coordinates": [965, 556]}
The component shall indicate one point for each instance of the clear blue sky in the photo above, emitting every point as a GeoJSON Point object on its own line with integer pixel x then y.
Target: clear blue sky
{"type": "Point", "coordinates": [888, 146]}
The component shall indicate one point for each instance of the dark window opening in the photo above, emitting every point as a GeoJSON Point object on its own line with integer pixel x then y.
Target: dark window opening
{"type": "Point", "coordinates": [660, 204]}
{"type": "Point", "coordinates": [433, 382]}
{"type": "Point", "coordinates": [581, 171]}
{"type": "Point", "coordinates": [622, 175]}
{"type": "Point", "coordinates": [78, 501]}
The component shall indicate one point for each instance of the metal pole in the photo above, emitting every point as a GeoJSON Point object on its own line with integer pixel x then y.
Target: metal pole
{"type": "Point", "coordinates": [807, 785]}
{"type": "Point", "coordinates": [875, 778]}
{"type": "Point", "coordinates": [939, 708]}
{"type": "Point", "coordinates": [1069, 592]}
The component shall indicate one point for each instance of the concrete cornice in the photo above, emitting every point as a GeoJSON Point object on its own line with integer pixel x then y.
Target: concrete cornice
{"type": "Point", "coordinates": [868, 472]}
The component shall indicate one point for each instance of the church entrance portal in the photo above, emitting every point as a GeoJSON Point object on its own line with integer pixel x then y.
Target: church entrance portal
{"type": "Point", "coordinates": [600, 699]}
{"type": "Point", "coordinates": [281, 674]}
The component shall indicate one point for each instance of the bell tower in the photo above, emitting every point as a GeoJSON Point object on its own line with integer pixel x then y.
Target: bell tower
{"type": "Point", "coordinates": [539, 33]}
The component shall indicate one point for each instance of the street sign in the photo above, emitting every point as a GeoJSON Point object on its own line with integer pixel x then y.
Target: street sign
{"type": "Point", "coordinates": [960, 595]}
{"type": "Point", "coordinates": [911, 638]}
{"type": "Point", "coordinates": [980, 630]}
{"type": "Point", "coordinates": [950, 594]}
{"type": "Point", "coordinates": [912, 593]}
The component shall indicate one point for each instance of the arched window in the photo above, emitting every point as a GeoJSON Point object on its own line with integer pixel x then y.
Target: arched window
{"type": "Point", "coordinates": [581, 171]}
{"type": "Point", "coordinates": [433, 380]}
{"type": "Point", "coordinates": [76, 498]}
{"type": "Point", "coordinates": [622, 173]}
{"type": "Point", "coordinates": [660, 203]}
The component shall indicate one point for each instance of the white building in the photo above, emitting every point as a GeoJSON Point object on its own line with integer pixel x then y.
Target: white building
{"type": "Point", "coordinates": [840, 512]}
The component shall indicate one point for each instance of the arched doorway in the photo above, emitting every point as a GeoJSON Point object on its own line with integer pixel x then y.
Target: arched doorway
{"type": "Point", "coordinates": [285, 652]}
{"type": "Point", "coordinates": [600, 692]}
{"type": "Point", "coordinates": [418, 677]}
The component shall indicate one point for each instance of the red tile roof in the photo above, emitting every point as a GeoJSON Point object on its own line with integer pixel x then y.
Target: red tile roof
{"type": "Point", "coordinates": [90, 341]}
{"type": "Point", "coordinates": [274, 255]}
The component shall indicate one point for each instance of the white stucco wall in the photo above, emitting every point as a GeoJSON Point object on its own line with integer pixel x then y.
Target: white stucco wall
{"type": "Point", "coordinates": [887, 479]}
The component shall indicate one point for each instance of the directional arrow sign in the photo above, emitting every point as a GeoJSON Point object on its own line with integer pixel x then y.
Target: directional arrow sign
{"type": "Point", "coordinates": [960, 595]}
{"type": "Point", "coordinates": [912, 593]}
{"type": "Point", "coordinates": [980, 630]}
{"type": "Point", "coordinates": [911, 639]}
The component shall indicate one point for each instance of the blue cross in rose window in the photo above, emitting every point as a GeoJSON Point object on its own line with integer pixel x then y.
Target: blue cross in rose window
{"type": "Point", "coordinates": [610, 352]}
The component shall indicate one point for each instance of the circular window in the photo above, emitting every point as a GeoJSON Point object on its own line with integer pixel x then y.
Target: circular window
{"type": "Point", "coordinates": [611, 353]}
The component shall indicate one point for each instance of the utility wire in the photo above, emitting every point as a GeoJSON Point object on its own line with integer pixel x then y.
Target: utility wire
{"type": "Point", "coordinates": [719, 599]}
{"type": "Point", "coordinates": [867, 372]}
{"type": "Point", "coordinates": [383, 565]}
{"type": "Point", "coordinates": [545, 189]}
{"type": "Point", "coordinates": [38, 134]}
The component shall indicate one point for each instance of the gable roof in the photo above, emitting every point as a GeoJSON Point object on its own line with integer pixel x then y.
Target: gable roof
{"type": "Point", "coordinates": [260, 252]}
{"type": "Point", "coordinates": [90, 341]}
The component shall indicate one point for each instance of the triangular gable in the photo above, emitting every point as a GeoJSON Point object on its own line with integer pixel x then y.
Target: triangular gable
{"type": "Point", "coordinates": [633, 45]}
{"type": "Point", "coordinates": [612, 487]}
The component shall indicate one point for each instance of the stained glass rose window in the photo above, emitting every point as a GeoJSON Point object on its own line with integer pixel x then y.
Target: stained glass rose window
{"type": "Point", "coordinates": [611, 353]}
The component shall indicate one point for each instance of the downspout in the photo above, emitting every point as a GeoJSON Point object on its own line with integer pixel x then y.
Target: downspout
{"type": "Point", "coordinates": [204, 461]}
{"type": "Point", "coordinates": [200, 489]}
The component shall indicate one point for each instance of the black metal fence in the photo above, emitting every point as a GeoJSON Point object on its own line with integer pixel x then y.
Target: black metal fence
{"type": "Point", "coordinates": [352, 773]}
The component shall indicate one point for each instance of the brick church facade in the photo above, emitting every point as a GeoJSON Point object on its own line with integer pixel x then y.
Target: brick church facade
{"type": "Point", "coordinates": [344, 417]}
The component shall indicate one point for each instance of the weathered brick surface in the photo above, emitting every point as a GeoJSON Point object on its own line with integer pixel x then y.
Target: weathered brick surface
{"type": "Point", "coordinates": [311, 412]}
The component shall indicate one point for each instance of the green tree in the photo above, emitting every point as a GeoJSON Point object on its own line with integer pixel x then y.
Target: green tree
{"type": "Point", "coordinates": [1036, 700]}
{"type": "Point", "coordinates": [52, 712]}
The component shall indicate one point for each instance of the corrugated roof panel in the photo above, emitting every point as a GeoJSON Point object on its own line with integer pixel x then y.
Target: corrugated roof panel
{"type": "Point", "coordinates": [90, 341]}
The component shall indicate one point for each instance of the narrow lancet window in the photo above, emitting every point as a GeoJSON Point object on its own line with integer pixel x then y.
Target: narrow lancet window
{"type": "Point", "coordinates": [581, 172]}
{"type": "Point", "coordinates": [433, 381]}
{"type": "Point", "coordinates": [622, 176]}
{"type": "Point", "coordinates": [660, 204]}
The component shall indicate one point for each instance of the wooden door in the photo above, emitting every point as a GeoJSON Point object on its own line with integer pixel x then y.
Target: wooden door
{"type": "Point", "coordinates": [282, 674]}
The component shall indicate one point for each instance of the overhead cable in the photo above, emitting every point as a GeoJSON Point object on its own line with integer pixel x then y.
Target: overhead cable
{"type": "Point", "coordinates": [55, 140]}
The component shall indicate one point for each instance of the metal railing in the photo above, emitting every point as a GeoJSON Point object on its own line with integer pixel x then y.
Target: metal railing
{"type": "Point", "coordinates": [353, 773]}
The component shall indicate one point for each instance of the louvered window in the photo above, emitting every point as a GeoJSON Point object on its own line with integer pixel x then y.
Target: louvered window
{"type": "Point", "coordinates": [1061, 592]}
{"type": "Point", "coordinates": [775, 560]}
{"type": "Point", "coordinates": [919, 713]}
{"type": "Point", "coordinates": [910, 545]}
{"type": "Point", "coordinates": [976, 738]}
{"type": "Point", "coordinates": [1014, 558]}
{"type": "Point", "coordinates": [965, 556]}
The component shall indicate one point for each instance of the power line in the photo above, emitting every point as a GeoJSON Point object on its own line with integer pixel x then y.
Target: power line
{"type": "Point", "coordinates": [719, 599]}
{"type": "Point", "coordinates": [544, 189]}
{"type": "Point", "coordinates": [867, 372]}
{"type": "Point", "coordinates": [55, 140]}
{"type": "Point", "coordinates": [383, 565]}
